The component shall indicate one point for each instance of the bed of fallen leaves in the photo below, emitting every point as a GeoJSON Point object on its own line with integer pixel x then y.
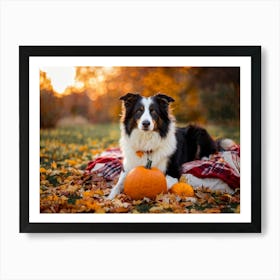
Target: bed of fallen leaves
{"type": "Point", "coordinates": [65, 187]}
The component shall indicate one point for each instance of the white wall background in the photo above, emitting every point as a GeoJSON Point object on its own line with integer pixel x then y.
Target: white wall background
{"type": "Point", "coordinates": [139, 256]}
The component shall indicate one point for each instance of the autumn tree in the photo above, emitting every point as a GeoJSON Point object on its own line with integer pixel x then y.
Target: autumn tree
{"type": "Point", "coordinates": [219, 89]}
{"type": "Point", "coordinates": [201, 93]}
{"type": "Point", "coordinates": [50, 105]}
{"type": "Point", "coordinates": [106, 85]}
{"type": "Point", "coordinates": [75, 104]}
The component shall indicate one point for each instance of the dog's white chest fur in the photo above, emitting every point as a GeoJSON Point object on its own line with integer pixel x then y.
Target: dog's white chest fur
{"type": "Point", "coordinates": [144, 141]}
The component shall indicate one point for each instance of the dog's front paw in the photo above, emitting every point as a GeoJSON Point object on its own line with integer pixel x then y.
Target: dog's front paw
{"type": "Point", "coordinates": [170, 181]}
{"type": "Point", "coordinates": [114, 192]}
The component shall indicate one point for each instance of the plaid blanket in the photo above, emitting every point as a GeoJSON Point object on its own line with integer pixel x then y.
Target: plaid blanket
{"type": "Point", "coordinates": [108, 165]}
{"type": "Point", "coordinates": [223, 165]}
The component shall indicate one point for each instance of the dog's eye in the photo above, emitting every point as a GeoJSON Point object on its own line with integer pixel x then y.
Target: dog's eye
{"type": "Point", "coordinates": [139, 110]}
{"type": "Point", "coordinates": [152, 110]}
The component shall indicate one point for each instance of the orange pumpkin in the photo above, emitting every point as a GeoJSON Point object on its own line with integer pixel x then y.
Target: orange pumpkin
{"type": "Point", "coordinates": [143, 182]}
{"type": "Point", "coordinates": [182, 189]}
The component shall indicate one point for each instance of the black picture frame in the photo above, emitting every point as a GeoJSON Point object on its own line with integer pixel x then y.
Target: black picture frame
{"type": "Point", "coordinates": [254, 52]}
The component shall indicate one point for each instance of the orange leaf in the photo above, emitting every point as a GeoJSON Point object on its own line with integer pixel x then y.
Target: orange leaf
{"type": "Point", "coordinates": [71, 162]}
{"type": "Point", "coordinates": [100, 192]}
{"type": "Point", "coordinates": [120, 210]}
{"type": "Point", "coordinates": [43, 170]}
{"type": "Point", "coordinates": [83, 148]}
{"type": "Point", "coordinates": [213, 210]}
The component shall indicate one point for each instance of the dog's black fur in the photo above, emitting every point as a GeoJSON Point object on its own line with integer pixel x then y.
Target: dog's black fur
{"type": "Point", "coordinates": [193, 142]}
{"type": "Point", "coordinates": [159, 112]}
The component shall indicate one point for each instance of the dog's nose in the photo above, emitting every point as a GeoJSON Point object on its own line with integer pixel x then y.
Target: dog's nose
{"type": "Point", "coordinates": [146, 123]}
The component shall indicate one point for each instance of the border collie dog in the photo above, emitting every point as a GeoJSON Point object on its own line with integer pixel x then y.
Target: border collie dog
{"type": "Point", "coordinates": [148, 132]}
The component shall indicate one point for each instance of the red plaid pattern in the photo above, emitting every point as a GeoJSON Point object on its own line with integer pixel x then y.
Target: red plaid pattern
{"type": "Point", "coordinates": [217, 167]}
{"type": "Point", "coordinates": [214, 167]}
{"type": "Point", "coordinates": [111, 161]}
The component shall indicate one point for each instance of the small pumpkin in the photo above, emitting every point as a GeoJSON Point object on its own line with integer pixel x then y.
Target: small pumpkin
{"type": "Point", "coordinates": [144, 181]}
{"type": "Point", "coordinates": [182, 189]}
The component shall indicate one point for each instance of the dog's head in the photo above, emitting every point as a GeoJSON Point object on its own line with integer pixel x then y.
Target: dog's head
{"type": "Point", "coordinates": [146, 113]}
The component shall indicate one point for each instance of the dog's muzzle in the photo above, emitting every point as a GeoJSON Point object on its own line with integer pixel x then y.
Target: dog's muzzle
{"type": "Point", "coordinates": [146, 125]}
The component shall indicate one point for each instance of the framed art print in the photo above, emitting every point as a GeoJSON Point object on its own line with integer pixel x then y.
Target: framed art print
{"type": "Point", "coordinates": [140, 138]}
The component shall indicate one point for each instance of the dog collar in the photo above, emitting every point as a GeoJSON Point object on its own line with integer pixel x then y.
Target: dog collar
{"type": "Point", "coordinates": [141, 153]}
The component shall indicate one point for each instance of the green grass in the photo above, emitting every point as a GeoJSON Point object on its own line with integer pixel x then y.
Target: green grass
{"type": "Point", "coordinates": [108, 134]}
{"type": "Point", "coordinates": [83, 134]}
{"type": "Point", "coordinates": [224, 131]}
{"type": "Point", "coordinates": [79, 144]}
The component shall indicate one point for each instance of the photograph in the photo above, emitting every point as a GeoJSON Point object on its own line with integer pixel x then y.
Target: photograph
{"type": "Point", "coordinates": [137, 134]}
{"type": "Point", "coordinates": [139, 140]}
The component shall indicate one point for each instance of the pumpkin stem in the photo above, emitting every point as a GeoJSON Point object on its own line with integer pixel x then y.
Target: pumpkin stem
{"type": "Point", "coordinates": [148, 164]}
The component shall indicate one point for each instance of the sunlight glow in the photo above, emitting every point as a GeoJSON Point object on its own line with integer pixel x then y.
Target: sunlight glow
{"type": "Point", "coordinates": [61, 77]}
{"type": "Point", "coordinates": [79, 85]}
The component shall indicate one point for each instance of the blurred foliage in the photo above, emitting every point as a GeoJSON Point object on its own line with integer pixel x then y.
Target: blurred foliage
{"type": "Point", "coordinates": [201, 93]}
{"type": "Point", "coordinates": [50, 104]}
{"type": "Point", "coordinates": [221, 111]}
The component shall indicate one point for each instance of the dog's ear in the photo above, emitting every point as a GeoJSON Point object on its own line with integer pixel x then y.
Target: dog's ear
{"type": "Point", "coordinates": [130, 98]}
{"type": "Point", "coordinates": [164, 98]}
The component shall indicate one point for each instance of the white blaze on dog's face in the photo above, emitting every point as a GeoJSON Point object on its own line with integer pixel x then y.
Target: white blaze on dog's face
{"type": "Point", "coordinates": [146, 113]}
{"type": "Point", "coordinates": [145, 122]}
